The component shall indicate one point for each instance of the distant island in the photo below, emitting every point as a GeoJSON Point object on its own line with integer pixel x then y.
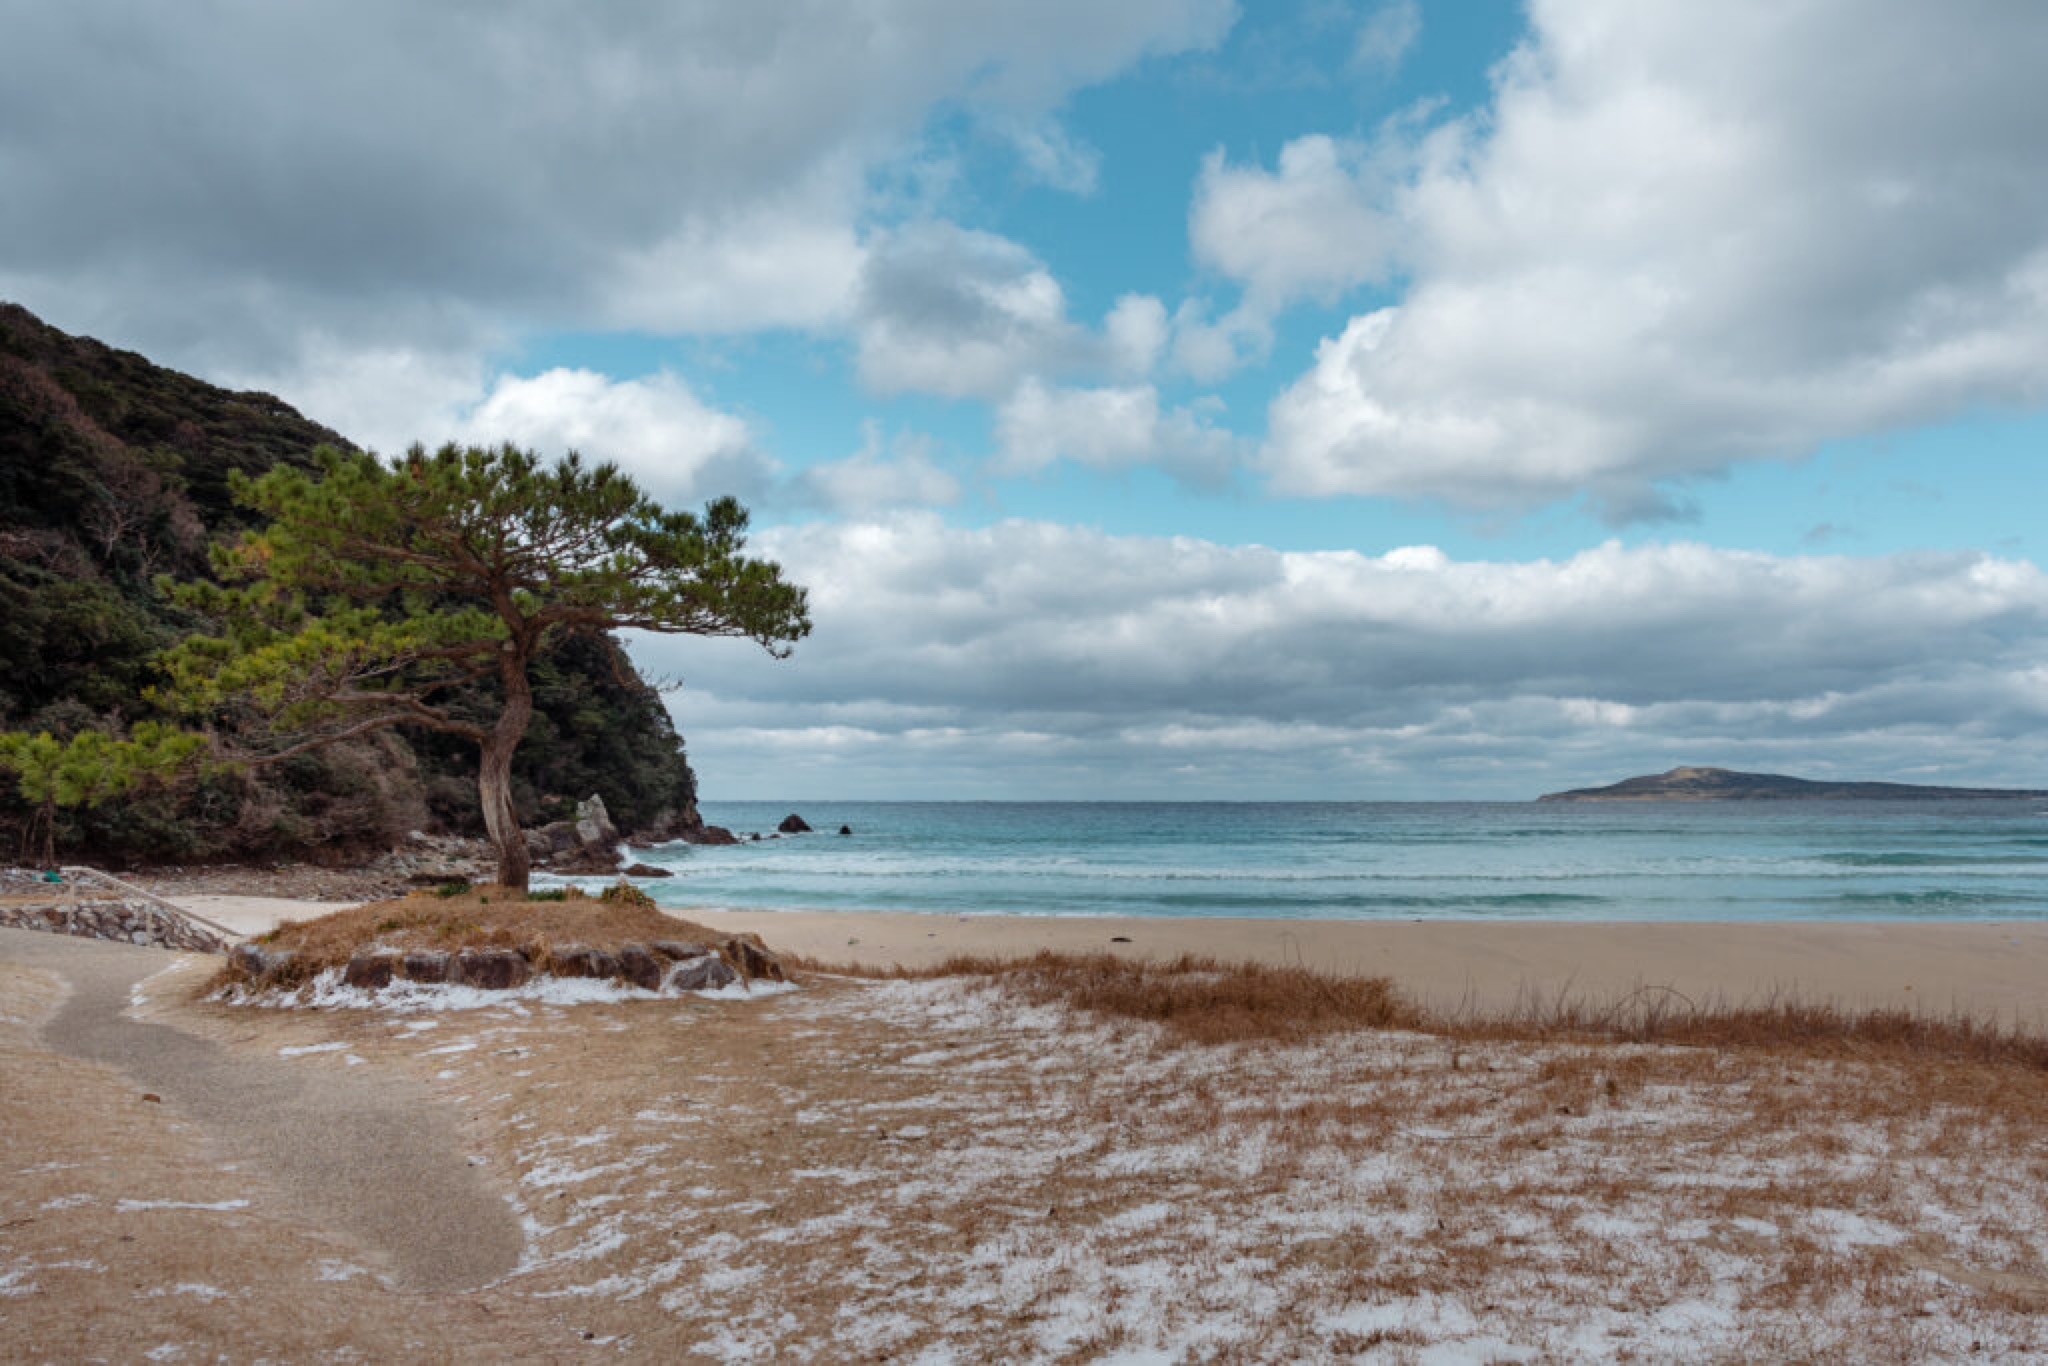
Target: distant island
{"type": "Point", "coordinates": [1725, 785]}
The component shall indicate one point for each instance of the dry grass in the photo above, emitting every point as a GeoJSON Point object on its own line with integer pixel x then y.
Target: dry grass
{"type": "Point", "coordinates": [1037, 1161]}
{"type": "Point", "coordinates": [1198, 999]}
{"type": "Point", "coordinates": [480, 917]}
{"type": "Point", "coordinates": [1202, 1000]}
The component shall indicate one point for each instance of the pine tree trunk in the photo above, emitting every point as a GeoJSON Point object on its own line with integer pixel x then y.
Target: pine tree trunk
{"type": "Point", "coordinates": [494, 777]}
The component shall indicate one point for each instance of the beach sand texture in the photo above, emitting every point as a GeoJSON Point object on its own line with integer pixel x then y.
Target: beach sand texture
{"type": "Point", "coordinates": [945, 1168]}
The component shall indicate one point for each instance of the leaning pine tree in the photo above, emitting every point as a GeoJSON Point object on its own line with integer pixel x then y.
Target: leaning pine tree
{"type": "Point", "coordinates": [377, 589]}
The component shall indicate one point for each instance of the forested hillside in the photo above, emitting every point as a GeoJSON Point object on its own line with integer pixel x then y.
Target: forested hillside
{"type": "Point", "coordinates": [114, 471]}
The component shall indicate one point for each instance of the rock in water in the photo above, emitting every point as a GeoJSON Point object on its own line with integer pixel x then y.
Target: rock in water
{"type": "Point", "coordinates": [793, 824]}
{"type": "Point", "coordinates": [645, 870]}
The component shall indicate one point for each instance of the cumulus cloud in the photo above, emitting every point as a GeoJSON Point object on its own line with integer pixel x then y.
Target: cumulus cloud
{"type": "Point", "coordinates": [880, 475]}
{"type": "Point", "coordinates": [655, 428]}
{"type": "Point", "coordinates": [946, 310]}
{"type": "Point", "coordinates": [1315, 226]}
{"type": "Point", "coordinates": [187, 179]}
{"type": "Point", "coordinates": [1111, 428]}
{"type": "Point", "coordinates": [1073, 663]}
{"type": "Point", "coordinates": [1134, 334]}
{"type": "Point", "coordinates": [1679, 237]}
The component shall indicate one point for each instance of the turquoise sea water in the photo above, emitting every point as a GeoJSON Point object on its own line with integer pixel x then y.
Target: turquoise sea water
{"type": "Point", "coordinates": [1656, 861]}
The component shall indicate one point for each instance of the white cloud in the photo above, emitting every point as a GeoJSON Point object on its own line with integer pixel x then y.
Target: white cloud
{"type": "Point", "coordinates": [192, 191]}
{"type": "Point", "coordinates": [792, 265]}
{"type": "Point", "coordinates": [947, 310]}
{"type": "Point", "coordinates": [1134, 334]}
{"type": "Point", "coordinates": [1680, 237]}
{"type": "Point", "coordinates": [655, 428]}
{"type": "Point", "coordinates": [1071, 662]}
{"type": "Point", "coordinates": [1208, 351]}
{"type": "Point", "coordinates": [1316, 226]}
{"type": "Point", "coordinates": [877, 477]}
{"type": "Point", "coordinates": [1111, 428]}
{"type": "Point", "coordinates": [1387, 35]}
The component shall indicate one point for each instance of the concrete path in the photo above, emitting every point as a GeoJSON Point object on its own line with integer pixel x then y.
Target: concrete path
{"type": "Point", "coordinates": [376, 1157]}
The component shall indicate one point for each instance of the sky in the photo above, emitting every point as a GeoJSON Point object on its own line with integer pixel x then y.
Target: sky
{"type": "Point", "coordinates": [1164, 399]}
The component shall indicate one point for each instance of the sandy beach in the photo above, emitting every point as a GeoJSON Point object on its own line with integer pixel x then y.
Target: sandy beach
{"type": "Point", "coordinates": [1991, 970]}
{"type": "Point", "coordinates": [955, 1169]}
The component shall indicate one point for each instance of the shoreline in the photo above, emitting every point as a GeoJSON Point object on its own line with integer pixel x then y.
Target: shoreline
{"type": "Point", "coordinates": [1990, 970]}
{"type": "Point", "coordinates": [1986, 969]}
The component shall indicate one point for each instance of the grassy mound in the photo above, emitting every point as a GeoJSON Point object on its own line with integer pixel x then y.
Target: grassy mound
{"type": "Point", "coordinates": [540, 927]}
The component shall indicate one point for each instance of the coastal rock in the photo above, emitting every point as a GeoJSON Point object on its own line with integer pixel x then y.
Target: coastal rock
{"type": "Point", "coordinates": [587, 844]}
{"type": "Point", "coordinates": [678, 950]}
{"type": "Point", "coordinates": [686, 825]}
{"type": "Point", "coordinates": [753, 959]}
{"type": "Point", "coordinates": [591, 858]}
{"type": "Point", "coordinates": [579, 960]}
{"type": "Point", "coordinates": [703, 973]}
{"type": "Point", "coordinates": [846, 830]}
{"type": "Point", "coordinates": [594, 823]}
{"type": "Point", "coordinates": [490, 969]}
{"type": "Point", "coordinates": [793, 824]}
{"type": "Point", "coordinates": [639, 966]}
{"type": "Point", "coordinates": [371, 969]}
{"type": "Point", "coordinates": [645, 870]}
{"type": "Point", "coordinates": [426, 965]}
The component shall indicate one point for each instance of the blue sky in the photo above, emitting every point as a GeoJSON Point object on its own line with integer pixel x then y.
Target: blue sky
{"type": "Point", "coordinates": [1331, 399]}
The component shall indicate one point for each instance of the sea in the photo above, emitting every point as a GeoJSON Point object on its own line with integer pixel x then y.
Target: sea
{"type": "Point", "coordinates": [1922, 860]}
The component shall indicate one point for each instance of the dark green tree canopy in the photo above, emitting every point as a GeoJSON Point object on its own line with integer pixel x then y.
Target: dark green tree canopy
{"type": "Point", "coordinates": [377, 588]}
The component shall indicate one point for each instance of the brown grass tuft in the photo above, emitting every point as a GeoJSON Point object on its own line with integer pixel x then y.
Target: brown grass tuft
{"type": "Point", "coordinates": [1202, 1000]}
{"type": "Point", "coordinates": [481, 917]}
{"type": "Point", "coordinates": [1661, 1016]}
{"type": "Point", "coordinates": [1199, 999]}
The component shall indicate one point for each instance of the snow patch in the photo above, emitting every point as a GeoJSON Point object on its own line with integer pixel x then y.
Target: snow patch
{"type": "Point", "coordinates": [327, 991]}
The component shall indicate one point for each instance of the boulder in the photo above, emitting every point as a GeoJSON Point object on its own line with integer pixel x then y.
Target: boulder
{"type": "Point", "coordinates": [753, 959]}
{"type": "Point", "coordinates": [259, 964]}
{"type": "Point", "coordinates": [371, 968]}
{"type": "Point", "coordinates": [490, 969]}
{"type": "Point", "coordinates": [425, 965]}
{"type": "Point", "coordinates": [594, 823]}
{"type": "Point", "coordinates": [645, 870]}
{"type": "Point", "coordinates": [703, 973]}
{"type": "Point", "coordinates": [579, 960]}
{"type": "Point", "coordinates": [846, 830]}
{"type": "Point", "coordinates": [678, 950]}
{"type": "Point", "coordinates": [546, 841]}
{"type": "Point", "coordinates": [686, 825]}
{"type": "Point", "coordinates": [639, 965]}
{"type": "Point", "coordinates": [793, 824]}
{"type": "Point", "coordinates": [591, 858]}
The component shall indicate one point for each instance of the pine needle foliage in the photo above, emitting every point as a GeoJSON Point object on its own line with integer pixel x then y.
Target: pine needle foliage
{"type": "Point", "coordinates": [377, 589]}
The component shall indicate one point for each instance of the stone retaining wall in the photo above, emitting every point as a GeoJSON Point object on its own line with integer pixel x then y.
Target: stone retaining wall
{"type": "Point", "coordinates": [129, 922]}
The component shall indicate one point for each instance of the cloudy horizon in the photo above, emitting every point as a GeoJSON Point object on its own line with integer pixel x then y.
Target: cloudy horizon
{"type": "Point", "coordinates": [1322, 401]}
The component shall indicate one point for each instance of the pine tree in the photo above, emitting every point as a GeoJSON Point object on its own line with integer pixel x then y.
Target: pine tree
{"type": "Point", "coordinates": [377, 588]}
